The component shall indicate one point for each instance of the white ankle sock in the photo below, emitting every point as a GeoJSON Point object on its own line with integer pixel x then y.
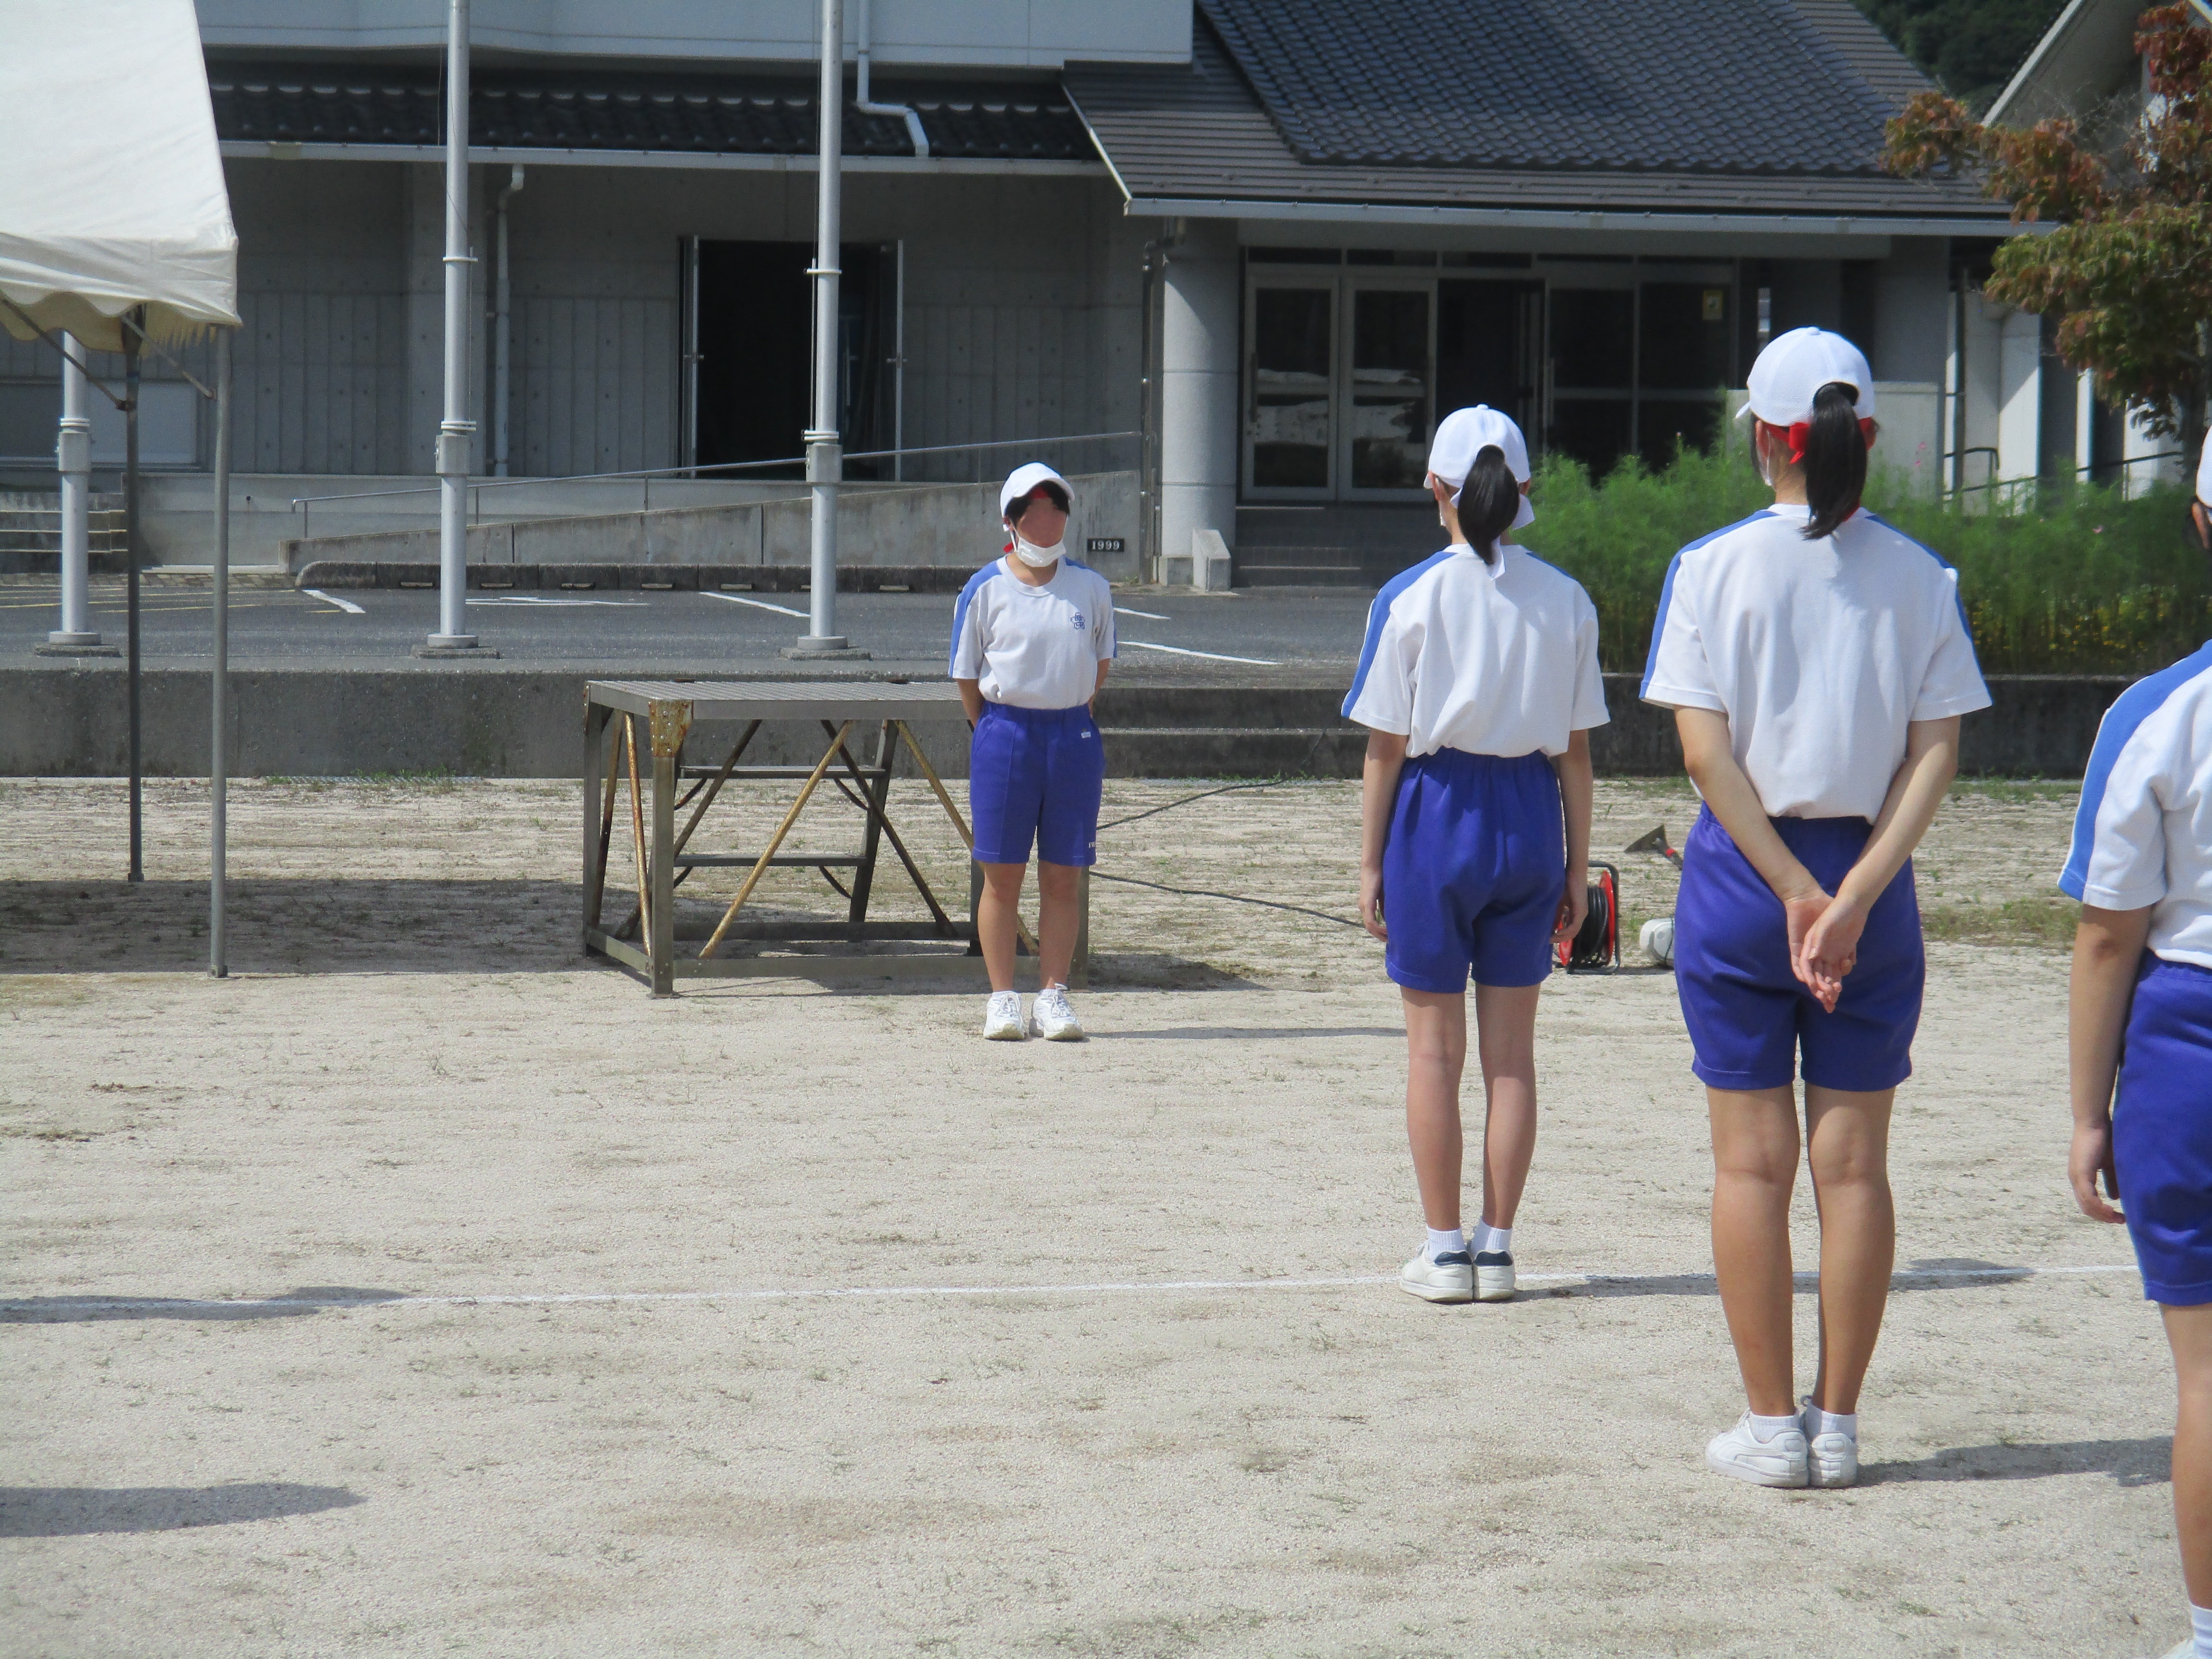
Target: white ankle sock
{"type": "Point", "coordinates": [1483, 1238]}
{"type": "Point", "coordinates": [2200, 1622]}
{"type": "Point", "coordinates": [1443, 1242]}
{"type": "Point", "coordinates": [1764, 1429]}
{"type": "Point", "coordinates": [1820, 1422]}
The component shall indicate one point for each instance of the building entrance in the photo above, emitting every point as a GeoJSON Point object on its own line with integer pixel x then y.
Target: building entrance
{"type": "Point", "coordinates": [1346, 370]}
{"type": "Point", "coordinates": [749, 320]}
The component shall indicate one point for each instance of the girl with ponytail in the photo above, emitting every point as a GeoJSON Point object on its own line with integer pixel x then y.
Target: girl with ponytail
{"type": "Point", "coordinates": [1818, 663]}
{"type": "Point", "coordinates": [1478, 682]}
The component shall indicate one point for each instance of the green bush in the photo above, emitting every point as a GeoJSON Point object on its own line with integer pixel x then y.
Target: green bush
{"type": "Point", "coordinates": [2075, 579]}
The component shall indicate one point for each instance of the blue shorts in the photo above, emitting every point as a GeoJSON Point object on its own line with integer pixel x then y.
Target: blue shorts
{"type": "Point", "coordinates": [1472, 872]}
{"type": "Point", "coordinates": [1748, 1015]}
{"type": "Point", "coordinates": [2162, 1130]}
{"type": "Point", "coordinates": [1035, 774]}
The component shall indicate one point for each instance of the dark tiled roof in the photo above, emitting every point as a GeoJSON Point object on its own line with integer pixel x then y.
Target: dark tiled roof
{"type": "Point", "coordinates": [1205, 133]}
{"type": "Point", "coordinates": [360, 104]}
{"type": "Point", "coordinates": [1737, 86]}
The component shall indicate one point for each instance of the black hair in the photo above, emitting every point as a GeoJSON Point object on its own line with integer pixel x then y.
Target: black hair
{"type": "Point", "coordinates": [1835, 460]}
{"type": "Point", "coordinates": [1489, 501]}
{"type": "Point", "coordinates": [1020, 504]}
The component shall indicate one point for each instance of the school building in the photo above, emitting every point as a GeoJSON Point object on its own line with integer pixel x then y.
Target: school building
{"type": "Point", "coordinates": [1275, 238]}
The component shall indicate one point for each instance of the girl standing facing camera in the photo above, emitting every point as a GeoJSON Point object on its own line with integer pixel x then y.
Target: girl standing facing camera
{"type": "Point", "coordinates": [1478, 684]}
{"type": "Point", "coordinates": [1032, 634]}
{"type": "Point", "coordinates": [1817, 662]}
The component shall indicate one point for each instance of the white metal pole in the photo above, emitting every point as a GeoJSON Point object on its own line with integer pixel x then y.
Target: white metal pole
{"type": "Point", "coordinates": [218, 746]}
{"type": "Point", "coordinates": [455, 430]}
{"type": "Point", "coordinates": [73, 458]}
{"type": "Point", "coordinates": [824, 454]}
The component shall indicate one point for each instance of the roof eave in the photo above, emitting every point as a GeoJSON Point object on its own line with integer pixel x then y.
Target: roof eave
{"type": "Point", "coordinates": [1537, 219]}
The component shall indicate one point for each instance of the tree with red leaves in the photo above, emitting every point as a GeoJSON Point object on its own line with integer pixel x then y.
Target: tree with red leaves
{"type": "Point", "coordinates": [2127, 270]}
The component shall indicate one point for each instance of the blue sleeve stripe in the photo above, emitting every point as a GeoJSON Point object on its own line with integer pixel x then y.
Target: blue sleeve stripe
{"type": "Point", "coordinates": [960, 614]}
{"type": "Point", "coordinates": [1667, 595]}
{"type": "Point", "coordinates": [1377, 614]}
{"type": "Point", "coordinates": [2114, 733]}
{"type": "Point", "coordinates": [1959, 598]}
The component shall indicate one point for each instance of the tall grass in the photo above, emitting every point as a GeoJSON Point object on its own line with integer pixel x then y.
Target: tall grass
{"type": "Point", "coordinates": [2073, 580]}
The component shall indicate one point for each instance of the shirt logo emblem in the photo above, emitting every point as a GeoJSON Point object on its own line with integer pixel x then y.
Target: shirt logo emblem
{"type": "Point", "coordinates": [1079, 619]}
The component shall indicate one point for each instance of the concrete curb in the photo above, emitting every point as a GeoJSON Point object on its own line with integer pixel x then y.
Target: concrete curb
{"type": "Point", "coordinates": [678, 578]}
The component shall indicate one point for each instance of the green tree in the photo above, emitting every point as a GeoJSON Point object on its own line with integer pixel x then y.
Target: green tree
{"type": "Point", "coordinates": [1969, 47]}
{"type": "Point", "coordinates": [2127, 269]}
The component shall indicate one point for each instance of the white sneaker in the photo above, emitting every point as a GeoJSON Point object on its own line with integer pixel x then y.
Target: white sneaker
{"type": "Point", "coordinates": [1493, 1276]}
{"type": "Point", "coordinates": [1002, 1019]}
{"type": "Point", "coordinates": [2186, 1649]}
{"type": "Point", "coordinates": [1446, 1278]}
{"type": "Point", "coordinates": [1832, 1459]}
{"type": "Point", "coordinates": [1055, 1019]}
{"type": "Point", "coordinates": [1738, 1453]}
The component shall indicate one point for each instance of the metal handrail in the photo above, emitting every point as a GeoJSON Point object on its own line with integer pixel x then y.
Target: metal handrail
{"type": "Point", "coordinates": [304, 505]}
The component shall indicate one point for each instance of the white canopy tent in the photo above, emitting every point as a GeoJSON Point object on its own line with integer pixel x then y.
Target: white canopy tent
{"type": "Point", "coordinates": [115, 229]}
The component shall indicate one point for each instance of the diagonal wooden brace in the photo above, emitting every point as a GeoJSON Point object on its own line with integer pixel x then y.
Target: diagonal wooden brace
{"type": "Point", "coordinates": [775, 842]}
{"type": "Point", "coordinates": [960, 823]}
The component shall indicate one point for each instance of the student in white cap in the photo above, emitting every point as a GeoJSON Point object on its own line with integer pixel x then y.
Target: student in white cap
{"type": "Point", "coordinates": [1817, 662]}
{"type": "Point", "coordinates": [1032, 634]}
{"type": "Point", "coordinates": [2141, 1020]}
{"type": "Point", "coordinates": [1478, 683]}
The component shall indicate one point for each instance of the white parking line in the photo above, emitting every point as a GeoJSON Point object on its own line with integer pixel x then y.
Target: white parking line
{"type": "Point", "coordinates": [346, 605]}
{"type": "Point", "coordinates": [545, 599]}
{"type": "Point", "coordinates": [1213, 656]}
{"type": "Point", "coordinates": [35, 1306]}
{"type": "Point", "coordinates": [757, 604]}
{"type": "Point", "coordinates": [1149, 616]}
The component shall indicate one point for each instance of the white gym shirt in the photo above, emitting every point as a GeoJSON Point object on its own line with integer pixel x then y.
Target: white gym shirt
{"type": "Point", "coordinates": [1493, 660]}
{"type": "Point", "coordinates": [2143, 835]}
{"type": "Point", "coordinates": [1034, 647]}
{"type": "Point", "coordinates": [1820, 654]}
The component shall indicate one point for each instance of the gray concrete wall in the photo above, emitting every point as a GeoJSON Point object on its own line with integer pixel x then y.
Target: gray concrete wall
{"type": "Point", "coordinates": [512, 721]}
{"type": "Point", "coordinates": [942, 524]}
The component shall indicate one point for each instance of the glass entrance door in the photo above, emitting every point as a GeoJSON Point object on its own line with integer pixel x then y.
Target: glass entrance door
{"type": "Point", "coordinates": [1289, 432]}
{"type": "Point", "coordinates": [1390, 391]}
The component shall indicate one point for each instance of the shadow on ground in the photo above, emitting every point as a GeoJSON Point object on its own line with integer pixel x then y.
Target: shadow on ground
{"type": "Point", "coordinates": [88, 1309]}
{"type": "Point", "coordinates": [78, 1512]}
{"type": "Point", "coordinates": [2144, 1462]}
{"type": "Point", "coordinates": [424, 926]}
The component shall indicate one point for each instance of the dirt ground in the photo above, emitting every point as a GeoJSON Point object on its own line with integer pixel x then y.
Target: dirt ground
{"type": "Point", "coordinates": [788, 1318]}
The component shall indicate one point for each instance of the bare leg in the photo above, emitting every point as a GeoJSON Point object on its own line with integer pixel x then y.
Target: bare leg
{"type": "Point", "coordinates": [1505, 1024]}
{"type": "Point", "coordinates": [1849, 1134]}
{"type": "Point", "coordinates": [1755, 1166]}
{"type": "Point", "coordinates": [2188, 1333]}
{"type": "Point", "coordinates": [1435, 1048]}
{"type": "Point", "coordinates": [995, 915]}
{"type": "Point", "coordinates": [1058, 913]}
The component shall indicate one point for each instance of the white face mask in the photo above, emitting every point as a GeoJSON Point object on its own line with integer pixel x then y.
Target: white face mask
{"type": "Point", "coordinates": [1033, 555]}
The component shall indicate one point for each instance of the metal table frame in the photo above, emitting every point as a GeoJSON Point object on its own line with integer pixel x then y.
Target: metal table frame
{"type": "Point", "coordinates": [669, 710]}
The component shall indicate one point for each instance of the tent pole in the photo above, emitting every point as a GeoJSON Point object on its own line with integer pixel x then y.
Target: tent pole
{"type": "Point", "coordinates": [218, 749]}
{"type": "Point", "coordinates": [74, 453]}
{"type": "Point", "coordinates": [137, 871]}
{"type": "Point", "coordinates": [456, 430]}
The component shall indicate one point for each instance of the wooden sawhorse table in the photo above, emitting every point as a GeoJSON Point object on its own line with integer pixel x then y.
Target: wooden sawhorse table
{"type": "Point", "coordinates": [668, 711]}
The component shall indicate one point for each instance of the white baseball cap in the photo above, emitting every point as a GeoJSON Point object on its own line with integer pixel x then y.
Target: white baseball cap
{"type": "Point", "coordinates": [1465, 433]}
{"type": "Point", "coordinates": [1025, 478]}
{"type": "Point", "coordinates": [1790, 373]}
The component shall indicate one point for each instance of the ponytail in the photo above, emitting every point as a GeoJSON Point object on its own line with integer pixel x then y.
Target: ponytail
{"type": "Point", "coordinates": [1489, 501]}
{"type": "Point", "coordinates": [1835, 460]}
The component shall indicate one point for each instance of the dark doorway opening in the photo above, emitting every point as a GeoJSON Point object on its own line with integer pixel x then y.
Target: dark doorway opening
{"type": "Point", "coordinates": [756, 367]}
{"type": "Point", "coordinates": [1489, 349]}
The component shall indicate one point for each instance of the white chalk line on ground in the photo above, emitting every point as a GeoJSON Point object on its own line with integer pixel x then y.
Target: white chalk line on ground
{"type": "Point", "coordinates": [346, 605]}
{"type": "Point", "coordinates": [1097, 1287]}
{"type": "Point", "coordinates": [1210, 656]}
{"type": "Point", "coordinates": [757, 604]}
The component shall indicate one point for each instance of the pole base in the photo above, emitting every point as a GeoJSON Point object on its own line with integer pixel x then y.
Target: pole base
{"type": "Point", "coordinates": [59, 644]}
{"type": "Point", "coordinates": [453, 645]}
{"type": "Point", "coordinates": [824, 648]}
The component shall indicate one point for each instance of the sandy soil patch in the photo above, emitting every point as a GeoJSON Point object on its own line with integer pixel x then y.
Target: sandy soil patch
{"type": "Point", "coordinates": [1066, 1411]}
